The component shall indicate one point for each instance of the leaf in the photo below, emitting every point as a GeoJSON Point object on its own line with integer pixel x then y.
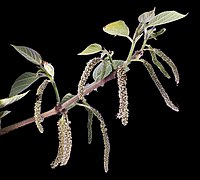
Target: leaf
{"type": "Point", "coordinates": [10, 100]}
{"type": "Point", "coordinates": [102, 70]}
{"type": "Point", "coordinates": [29, 54]}
{"type": "Point", "coordinates": [166, 17]}
{"type": "Point", "coordinates": [156, 34]}
{"type": "Point", "coordinates": [91, 49]}
{"type": "Point", "coordinates": [158, 64]}
{"type": "Point", "coordinates": [4, 113]}
{"type": "Point", "coordinates": [117, 28]}
{"type": "Point", "coordinates": [67, 97]}
{"type": "Point", "coordinates": [146, 16]}
{"type": "Point", "coordinates": [155, 79]}
{"type": "Point", "coordinates": [117, 63]}
{"type": "Point", "coordinates": [23, 82]}
{"type": "Point", "coordinates": [49, 69]}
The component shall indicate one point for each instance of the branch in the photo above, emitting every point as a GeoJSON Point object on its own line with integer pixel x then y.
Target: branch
{"type": "Point", "coordinates": [63, 106]}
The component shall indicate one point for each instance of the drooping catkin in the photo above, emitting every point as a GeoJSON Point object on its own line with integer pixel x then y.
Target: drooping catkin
{"type": "Point", "coordinates": [105, 138]}
{"type": "Point", "coordinates": [65, 142]}
{"type": "Point", "coordinates": [85, 75]}
{"type": "Point", "coordinates": [89, 126]}
{"type": "Point", "coordinates": [170, 63]}
{"type": "Point", "coordinates": [37, 107]}
{"type": "Point", "coordinates": [159, 86]}
{"type": "Point", "coordinates": [158, 64]}
{"type": "Point", "coordinates": [123, 112]}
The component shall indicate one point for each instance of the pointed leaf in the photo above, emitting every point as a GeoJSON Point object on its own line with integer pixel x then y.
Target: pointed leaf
{"type": "Point", "coordinates": [102, 70]}
{"type": "Point", "coordinates": [91, 49]}
{"type": "Point", "coordinates": [117, 28]}
{"type": "Point", "coordinates": [29, 54]}
{"type": "Point", "coordinates": [146, 16]}
{"type": "Point", "coordinates": [166, 17]}
{"type": "Point", "coordinates": [117, 63]}
{"type": "Point", "coordinates": [154, 35]}
{"type": "Point", "coordinates": [49, 68]}
{"type": "Point", "coordinates": [67, 97]}
{"type": "Point", "coordinates": [158, 64]}
{"type": "Point", "coordinates": [4, 113]}
{"type": "Point", "coordinates": [10, 100]}
{"type": "Point", "coordinates": [23, 82]}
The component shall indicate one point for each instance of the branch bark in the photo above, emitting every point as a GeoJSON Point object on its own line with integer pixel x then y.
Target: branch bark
{"type": "Point", "coordinates": [63, 106]}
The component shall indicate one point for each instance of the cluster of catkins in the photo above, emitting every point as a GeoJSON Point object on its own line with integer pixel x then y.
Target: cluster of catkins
{"type": "Point", "coordinates": [64, 130]}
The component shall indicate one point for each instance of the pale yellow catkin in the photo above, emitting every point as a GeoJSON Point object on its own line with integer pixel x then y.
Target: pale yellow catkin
{"type": "Point", "coordinates": [123, 112]}
{"type": "Point", "coordinates": [105, 138]}
{"type": "Point", "coordinates": [65, 142]}
{"type": "Point", "coordinates": [37, 107]}
{"type": "Point", "coordinates": [85, 75]}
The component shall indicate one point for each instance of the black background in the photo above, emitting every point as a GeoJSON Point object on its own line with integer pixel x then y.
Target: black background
{"type": "Point", "coordinates": [157, 142]}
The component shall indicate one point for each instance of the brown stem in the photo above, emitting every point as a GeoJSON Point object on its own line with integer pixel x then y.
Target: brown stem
{"type": "Point", "coordinates": [54, 110]}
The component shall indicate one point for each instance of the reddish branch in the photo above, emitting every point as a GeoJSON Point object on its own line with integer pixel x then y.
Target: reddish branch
{"type": "Point", "coordinates": [59, 109]}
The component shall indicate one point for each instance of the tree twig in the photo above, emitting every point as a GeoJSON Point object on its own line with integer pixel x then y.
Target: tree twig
{"type": "Point", "coordinates": [63, 106]}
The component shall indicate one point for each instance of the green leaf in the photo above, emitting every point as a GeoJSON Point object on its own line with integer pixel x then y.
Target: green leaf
{"type": "Point", "coordinates": [29, 54]}
{"type": "Point", "coordinates": [23, 82]}
{"type": "Point", "coordinates": [166, 17]}
{"type": "Point", "coordinates": [158, 64]}
{"type": "Point", "coordinates": [91, 49]}
{"type": "Point", "coordinates": [10, 100]}
{"type": "Point", "coordinates": [146, 16]}
{"type": "Point", "coordinates": [117, 63]}
{"type": "Point", "coordinates": [67, 97]}
{"type": "Point", "coordinates": [102, 70]}
{"type": "Point", "coordinates": [154, 35]}
{"type": "Point", "coordinates": [49, 69]}
{"type": "Point", "coordinates": [117, 28]}
{"type": "Point", "coordinates": [4, 113]}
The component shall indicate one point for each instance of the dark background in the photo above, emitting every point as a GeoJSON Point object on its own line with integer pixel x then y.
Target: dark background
{"type": "Point", "coordinates": [157, 143]}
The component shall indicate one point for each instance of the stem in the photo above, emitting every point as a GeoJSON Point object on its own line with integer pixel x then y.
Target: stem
{"type": "Point", "coordinates": [130, 52]}
{"type": "Point", "coordinates": [136, 37]}
{"type": "Point", "coordinates": [55, 90]}
{"type": "Point", "coordinates": [63, 106]}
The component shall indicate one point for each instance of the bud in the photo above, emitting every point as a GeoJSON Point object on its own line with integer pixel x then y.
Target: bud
{"type": "Point", "coordinates": [49, 68]}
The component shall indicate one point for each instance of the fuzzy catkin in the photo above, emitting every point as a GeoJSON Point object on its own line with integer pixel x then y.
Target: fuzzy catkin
{"type": "Point", "coordinates": [105, 138]}
{"type": "Point", "coordinates": [65, 142]}
{"type": "Point", "coordinates": [123, 112]}
{"type": "Point", "coordinates": [84, 77]}
{"type": "Point", "coordinates": [159, 86]}
{"type": "Point", "coordinates": [170, 63]}
{"type": "Point", "coordinates": [37, 107]}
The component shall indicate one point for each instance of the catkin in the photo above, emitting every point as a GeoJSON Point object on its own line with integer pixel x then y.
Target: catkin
{"type": "Point", "coordinates": [159, 86]}
{"type": "Point", "coordinates": [37, 107]}
{"type": "Point", "coordinates": [86, 73]}
{"type": "Point", "coordinates": [170, 63]}
{"type": "Point", "coordinates": [123, 112]}
{"type": "Point", "coordinates": [105, 138]}
{"type": "Point", "coordinates": [65, 142]}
